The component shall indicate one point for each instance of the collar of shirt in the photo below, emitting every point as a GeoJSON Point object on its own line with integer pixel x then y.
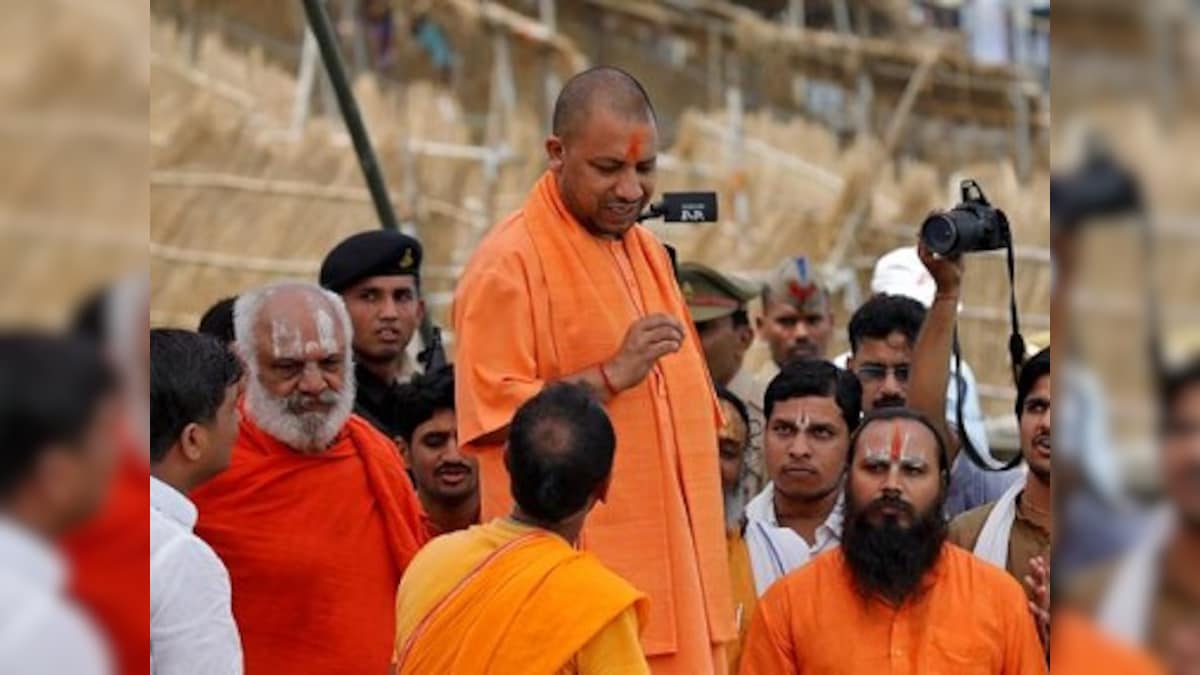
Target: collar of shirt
{"type": "Point", "coordinates": [172, 503]}
{"type": "Point", "coordinates": [1026, 516]}
{"type": "Point", "coordinates": [762, 509]}
{"type": "Point", "coordinates": [24, 554]}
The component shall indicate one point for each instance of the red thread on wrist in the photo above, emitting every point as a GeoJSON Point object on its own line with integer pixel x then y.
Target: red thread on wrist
{"type": "Point", "coordinates": [612, 391]}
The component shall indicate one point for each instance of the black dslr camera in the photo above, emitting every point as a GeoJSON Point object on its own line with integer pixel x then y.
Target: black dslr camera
{"type": "Point", "coordinates": [973, 225]}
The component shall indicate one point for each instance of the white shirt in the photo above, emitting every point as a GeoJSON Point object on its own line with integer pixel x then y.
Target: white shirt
{"type": "Point", "coordinates": [192, 629]}
{"type": "Point", "coordinates": [776, 550]}
{"type": "Point", "coordinates": [41, 632]}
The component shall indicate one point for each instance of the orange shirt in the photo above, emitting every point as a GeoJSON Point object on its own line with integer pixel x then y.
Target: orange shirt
{"type": "Point", "coordinates": [508, 598]}
{"type": "Point", "coordinates": [1081, 648]}
{"type": "Point", "coordinates": [542, 299]}
{"type": "Point", "coordinates": [972, 619]}
{"type": "Point", "coordinates": [110, 563]}
{"type": "Point", "coordinates": [315, 546]}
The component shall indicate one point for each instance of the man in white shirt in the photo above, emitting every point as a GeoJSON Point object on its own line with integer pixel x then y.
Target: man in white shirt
{"type": "Point", "coordinates": [812, 408]}
{"type": "Point", "coordinates": [59, 414]}
{"type": "Point", "coordinates": [194, 388]}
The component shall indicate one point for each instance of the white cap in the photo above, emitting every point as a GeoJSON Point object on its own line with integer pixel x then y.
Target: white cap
{"type": "Point", "coordinates": [901, 272]}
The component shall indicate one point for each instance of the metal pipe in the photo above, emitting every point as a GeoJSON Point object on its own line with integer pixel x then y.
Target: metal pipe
{"type": "Point", "coordinates": [322, 29]}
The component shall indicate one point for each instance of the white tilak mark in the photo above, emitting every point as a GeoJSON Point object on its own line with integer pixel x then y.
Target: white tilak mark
{"type": "Point", "coordinates": [325, 332]}
{"type": "Point", "coordinates": [285, 340]}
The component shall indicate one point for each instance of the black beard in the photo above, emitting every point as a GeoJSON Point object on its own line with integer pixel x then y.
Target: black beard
{"type": "Point", "coordinates": [890, 561]}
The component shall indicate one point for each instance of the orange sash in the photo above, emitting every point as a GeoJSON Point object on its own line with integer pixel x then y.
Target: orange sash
{"type": "Point", "coordinates": [528, 608]}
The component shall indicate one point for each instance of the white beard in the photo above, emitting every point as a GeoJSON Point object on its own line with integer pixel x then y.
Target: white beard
{"type": "Point", "coordinates": [735, 508]}
{"type": "Point", "coordinates": [304, 432]}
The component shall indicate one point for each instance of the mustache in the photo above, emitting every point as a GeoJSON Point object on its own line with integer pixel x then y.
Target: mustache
{"type": "Point", "coordinates": [297, 402]}
{"type": "Point", "coordinates": [807, 466]}
{"type": "Point", "coordinates": [890, 502]}
{"type": "Point", "coordinates": [448, 466]}
{"type": "Point", "coordinates": [890, 401]}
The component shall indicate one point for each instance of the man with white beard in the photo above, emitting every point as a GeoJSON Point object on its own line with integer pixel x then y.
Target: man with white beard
{"type": "Point", "coordinates": [315, 517]}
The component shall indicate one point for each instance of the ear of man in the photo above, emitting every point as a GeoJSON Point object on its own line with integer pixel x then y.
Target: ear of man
{"type": "Point", "coordinates": [192, 442]}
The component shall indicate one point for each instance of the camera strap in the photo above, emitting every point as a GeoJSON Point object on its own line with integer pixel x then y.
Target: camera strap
{"type": "Point", "coordinates": [1016, 355]}
{"type": "Point", "coordinates": [1016, 343]}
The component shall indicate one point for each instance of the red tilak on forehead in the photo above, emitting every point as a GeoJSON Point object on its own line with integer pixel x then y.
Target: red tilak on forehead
{"type": "Point", "coordinates": [897, 441]}
{"type": "Point", "coordinates": [637, 141]}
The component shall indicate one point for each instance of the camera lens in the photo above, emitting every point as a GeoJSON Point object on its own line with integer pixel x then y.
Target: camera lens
{"type": "Point", "coordinates": [939, 233]}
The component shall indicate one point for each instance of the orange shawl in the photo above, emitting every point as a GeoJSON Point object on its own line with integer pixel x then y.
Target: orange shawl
{"type": "Point", "coordinates": [315, 546]}
{"type": "Point", "coordinates": [543, 299]}
{"type": "Point", "coordinates": [110, 563]}
{"type": "Point", "coordinates": [527, 608]}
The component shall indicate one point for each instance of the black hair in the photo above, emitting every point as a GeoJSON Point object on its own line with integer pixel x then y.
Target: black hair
{"type": "Point", "coordinates": [422, 397]}
{"type": "Point", "coordinates": [190, 374]}
{"type": "Point", "coordinates": [560, 449]}
{"type": "Point", "coordinates": [814, 377]}
{"type": "Point", "coordinates": [898, 413]}
{"type": "Point", "coordinates": [1031, 371]}
{"type": "Point", "coordinates": [218, 320]}
{"type": "Point", "coordinates": [50, 388]}
{"type": "Point", "coordinates": [614, 86]}
{"type": "Point", "coordinates": [883, 315]}
{"type": "Point", "coordinates": [737, 403]}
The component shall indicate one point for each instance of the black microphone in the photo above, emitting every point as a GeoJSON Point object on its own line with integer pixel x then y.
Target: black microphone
{"type": "Point", "coordinates": [684, 207]}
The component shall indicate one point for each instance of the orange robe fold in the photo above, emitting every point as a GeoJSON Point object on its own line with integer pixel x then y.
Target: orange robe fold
{"type": "Point", "coordinates": [110, 564]}
{"type": "Point", "coordinates": [315, 546]}
{"type": "Point", "coordinates": [970, 619]}
{"type": "Point", "coordinates": [542, 299]}
{"type": "Point", "coordinates": [528, 607]}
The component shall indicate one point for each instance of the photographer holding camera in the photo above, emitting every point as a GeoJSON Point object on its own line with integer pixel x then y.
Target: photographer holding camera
{"type": "Point", "coordinates": [1015, 531]}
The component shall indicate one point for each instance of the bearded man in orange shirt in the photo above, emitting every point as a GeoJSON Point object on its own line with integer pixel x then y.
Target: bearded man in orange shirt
{"type": "Point", "coordinates": [912, 602]}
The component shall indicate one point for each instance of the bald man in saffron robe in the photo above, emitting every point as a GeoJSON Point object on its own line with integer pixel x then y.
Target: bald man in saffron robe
{"type": "Point", "coordinates": [571, 288]}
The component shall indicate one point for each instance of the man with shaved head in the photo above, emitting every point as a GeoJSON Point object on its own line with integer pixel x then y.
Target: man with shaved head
{"type": "Point", "coordinates": [571, 288]}
{"type": "Point", "coordinates": [315, 517]}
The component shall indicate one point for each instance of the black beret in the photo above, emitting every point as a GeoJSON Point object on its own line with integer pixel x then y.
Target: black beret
{"type": "Point", "coordinates": [370, 254]}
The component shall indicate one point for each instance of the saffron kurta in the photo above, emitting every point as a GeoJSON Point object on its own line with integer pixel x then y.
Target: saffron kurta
{"type": "Point", "coordinates": [972, 618]}
{"type": "Point", "coordinates": [542, 299]}
{"type": "Point", "coordinates": [315, 546]}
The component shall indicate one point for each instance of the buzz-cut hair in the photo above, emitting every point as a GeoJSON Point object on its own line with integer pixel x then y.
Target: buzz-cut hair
{"type": "Point", "coordinates": [609, 86]}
